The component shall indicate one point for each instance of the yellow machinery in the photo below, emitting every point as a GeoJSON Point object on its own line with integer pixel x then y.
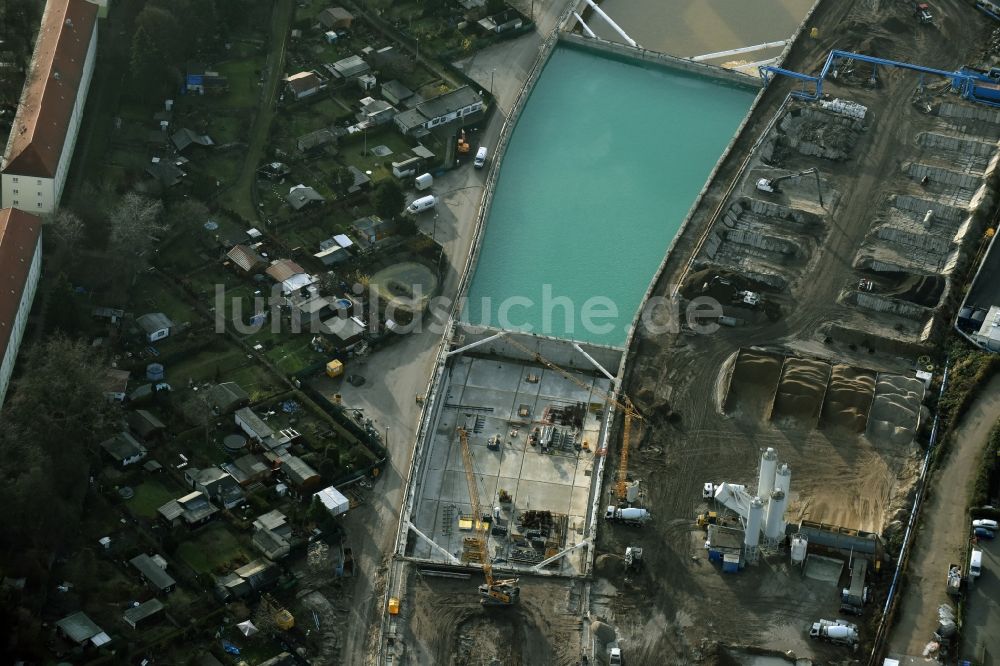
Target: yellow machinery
{"type": "Point", "coordinates": [494, 592]}
{"type": "Point", "coordinates": [625, 404]}
{"type": "Point", "coordinates": [283, 619]}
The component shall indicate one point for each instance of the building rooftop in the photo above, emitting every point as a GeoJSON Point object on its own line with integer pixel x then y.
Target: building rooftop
{"type": "Point", "coordinates": [19, 234]}
{"type": "Point", "coordinates": [144, 423]}
{"type": "Point", "coordinates": [283, 269]}
{"type": "Point", "coordinates": [396, 90]}
{"type": "Point", "coordinates": [154, 321]}
{"type": "Point", "coordinates": [122, 446]}
{"type": "Point", "coordinates": [448, 102]}
{"type": "Point", "coordinates": [79, 628]}
{"type": "Point", "coordinates": [301, 196]}
{"type": "Point", "coordinates": [155, 576]}
{"type": "Point", "coordinates": [225, 396]}
{"type": "Point", "coordinates": [245, 257]}
{"type": "Point", "coordinates": [51, 88]}
{"type": "Point", "coordinates": [297, 470]}
{"type": "Point", "coordinates": [144, 610]}
{"type": "Point", "coordinates": [303, 81]}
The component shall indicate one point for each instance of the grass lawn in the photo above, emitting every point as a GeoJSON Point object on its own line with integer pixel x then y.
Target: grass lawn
{"type": "Point", "coordinates": [150, 295]}
{"type": "Point", "coordinates": [244, 83]}
{"type": "Point", "coordinates": [211, 548]}
{"type": "Point", "coordinates": [150, 495]}
{"type": "Point", "coordinates": [289, 352]}
{"type": "Point", "coordinates": [230, 364]}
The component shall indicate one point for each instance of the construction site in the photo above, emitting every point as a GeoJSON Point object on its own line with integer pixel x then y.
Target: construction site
{"type": "Point", "coordinates": [757, 478]}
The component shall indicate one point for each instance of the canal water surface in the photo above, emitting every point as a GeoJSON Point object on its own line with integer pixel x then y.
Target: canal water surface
{"type": "Point", "coordinates": [603, 166]}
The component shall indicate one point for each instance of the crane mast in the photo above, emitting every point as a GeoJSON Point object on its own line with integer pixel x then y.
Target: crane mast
{"type": "Point", "coordinates": [494, 592]}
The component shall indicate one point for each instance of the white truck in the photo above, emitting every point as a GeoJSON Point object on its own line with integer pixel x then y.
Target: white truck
{"type": "Point", "coordinates": [627, 515]}
{"type": "Point", "coordinates": [835, 631]}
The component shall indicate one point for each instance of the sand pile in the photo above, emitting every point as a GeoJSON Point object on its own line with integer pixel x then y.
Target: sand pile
{"type": "Point", "coordinates": [895, 411]}
{"type": "Point", "coordinates": [755, 374]}
{"type": "Point", "coordinates": [801, 390]}
{"type": "Point", "coordinates": [848, 398]}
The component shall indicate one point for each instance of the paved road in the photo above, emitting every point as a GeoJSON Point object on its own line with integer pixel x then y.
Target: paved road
{"type": "Point", "coordinates": [982, 612]}
{"type": "Point", "coordinates": [944, 529]}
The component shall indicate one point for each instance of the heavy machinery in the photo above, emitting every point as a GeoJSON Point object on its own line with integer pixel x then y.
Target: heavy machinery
{"type": "Point", "coordinates": [625, 404]}
{"type": "Point", "coordinates": [706, 519]}
{"type": "Point", "coordinates": [633, 558]}
{"type": "Point", "coordinates": [854, 598]}
{"type": "Point", "coordinates": [494, 592]}
{"type": "Point", "coordinates": [837, 631]}
{"type": "Point", "coordinates": [627, 515]}
{"type": "Point", "coordinates": [923, 12]}
{"type": "Point", "coordinates": [771, 184]}
{"type": "Point", "coordinates": [463, 145]}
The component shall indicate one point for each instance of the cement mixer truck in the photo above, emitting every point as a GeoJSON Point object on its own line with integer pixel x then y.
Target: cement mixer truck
{"type": "Point", "coordinates": [839, 631]}
{"type": "Point", "coordinates": [627, 515]}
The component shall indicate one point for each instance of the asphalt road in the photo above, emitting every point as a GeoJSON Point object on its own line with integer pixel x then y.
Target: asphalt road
{"type": "Point", "coordinates": [980, 639]}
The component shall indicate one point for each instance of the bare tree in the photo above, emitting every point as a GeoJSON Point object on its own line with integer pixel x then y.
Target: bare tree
{"type": "Point", "coordinates": [66, 226]}
{"type": "Point", "coordinates": [135, 223]}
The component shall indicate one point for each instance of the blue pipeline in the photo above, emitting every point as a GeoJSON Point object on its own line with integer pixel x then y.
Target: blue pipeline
{"type": "Point", "coordinates": [963, 82]}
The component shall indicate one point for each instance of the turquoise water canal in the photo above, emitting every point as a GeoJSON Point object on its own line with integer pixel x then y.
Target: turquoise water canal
{"type": "Point", "coordinates": [603, 166]}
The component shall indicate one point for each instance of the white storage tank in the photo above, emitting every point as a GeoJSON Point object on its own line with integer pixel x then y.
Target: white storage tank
{"type": "Point", "coordinates": [768, 463]}
{"type": "Point", "coordinates": [774, 524]}
{"type": "Point", "coordinates": [783, 478]}
{"type": "Point", "coordinates": [755, 519]}
{"type": "Point", "coordinates": [799, 549]}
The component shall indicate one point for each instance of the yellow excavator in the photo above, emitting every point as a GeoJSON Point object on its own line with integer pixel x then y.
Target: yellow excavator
{"type": "Point", "coordinates": [625, 404]}
{"type": "Point", "coordinates": [495, 592]}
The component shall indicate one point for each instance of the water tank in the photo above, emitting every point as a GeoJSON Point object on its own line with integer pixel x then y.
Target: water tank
{"type": "Point", "coordinates": [775, 509]}
{"type": "Point", "coordinates": [765, 482]}
{"type": "Point", "coordinates": [154, 372]}
{"type": "Point", "coordinates": [234, 443]}
{"type": "Point", "coordinates": [799, 549]}
{"type": "Point", "coordinates": [755, 519]}
{"type": "Point", "coordinates": [783, 478]}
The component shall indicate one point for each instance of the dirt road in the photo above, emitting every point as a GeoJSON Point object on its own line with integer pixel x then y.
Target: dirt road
{"type": "Point", "coordinates": [944, 527]}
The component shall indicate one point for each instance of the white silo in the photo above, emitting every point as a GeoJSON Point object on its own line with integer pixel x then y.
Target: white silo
{"type": "Point", "coordinates": [774, 524]}
{"type": "Point", "coordinates": [755, 520]}
{"type": "Point", "coordinates": [765, 482]}
{"type": "Point", "coordinates": [799, 548]}
{"type": "Point", "coordinates": [783, 478]}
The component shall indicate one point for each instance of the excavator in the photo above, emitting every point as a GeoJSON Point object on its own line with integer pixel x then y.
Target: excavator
{"type": "Point", "coordinates": [771, 184]}
{"type": "Point", "coordinates": [625, 404]}
{"type": "Point", "coordinates": [495, 592]}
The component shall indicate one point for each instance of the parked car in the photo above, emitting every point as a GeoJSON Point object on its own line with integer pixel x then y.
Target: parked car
{"type": "Point", "coordinates": [983, 533]}
{"type": "Point", "coordinates": [988, 523]}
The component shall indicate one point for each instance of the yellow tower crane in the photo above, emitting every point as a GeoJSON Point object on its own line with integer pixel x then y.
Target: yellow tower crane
{"type": "Point", "coordinates": [495, 592]}
{"type": "Point", "coordinates": [625, 404]}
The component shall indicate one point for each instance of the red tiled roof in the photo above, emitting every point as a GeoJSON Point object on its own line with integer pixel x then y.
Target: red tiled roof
{"type": "Point", "coordinates": [19, 232]}
{"type": "Point", "coordinates": [43, 115]}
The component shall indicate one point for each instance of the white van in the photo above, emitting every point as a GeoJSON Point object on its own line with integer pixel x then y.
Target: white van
{"type": "Point", "coordinates": [422, 204]}
{"type": "Point", "coordinates": [480, 158]}
{"type": "Point", "coordinates": [988, 523]}
{"type": "Point", "coordinates": [976, 564]}
{"type": "Point", "coordinates": [423, 181]}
